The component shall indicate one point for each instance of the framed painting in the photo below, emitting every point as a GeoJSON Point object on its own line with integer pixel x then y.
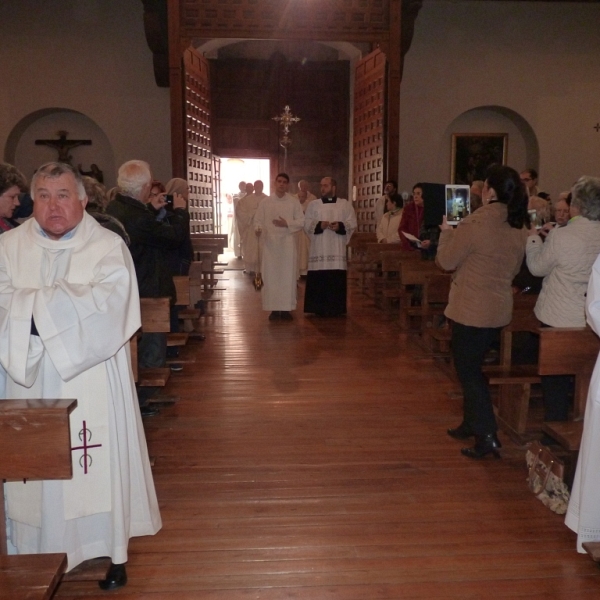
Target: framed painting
{"type": "Point", "coordinates": [473, 153]}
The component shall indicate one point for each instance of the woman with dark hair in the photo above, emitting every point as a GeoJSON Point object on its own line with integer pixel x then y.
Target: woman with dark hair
{"type": "Point", "coordinates": [412, 218]}
{"type": "Point", "coordinates": [12, 184]}
{"type": "Point", "coordinates": [485, 251]}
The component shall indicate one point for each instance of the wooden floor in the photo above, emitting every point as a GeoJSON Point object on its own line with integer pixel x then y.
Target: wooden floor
{"type": "Point", "coordinates": [309, 460]}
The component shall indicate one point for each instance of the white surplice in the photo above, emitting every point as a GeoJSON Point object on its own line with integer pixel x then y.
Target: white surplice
{"type": "Point", "coordinates": [82, 294]}
{"type": "Point", "coordinates": [328, 249]}
{"type": "Point", "coordinates": [583, 514]}
{"type": "Point", "coordinates": [278, 260]}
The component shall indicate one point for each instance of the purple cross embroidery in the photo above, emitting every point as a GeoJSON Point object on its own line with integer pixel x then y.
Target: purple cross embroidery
{"type": "Point", "coordinates": [85, 435]}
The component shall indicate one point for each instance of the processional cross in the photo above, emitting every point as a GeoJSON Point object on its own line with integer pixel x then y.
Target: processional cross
{"type": "Point", "coordinates": [63, 146]}
{"type": "Point", "coordinates": [287, 119]}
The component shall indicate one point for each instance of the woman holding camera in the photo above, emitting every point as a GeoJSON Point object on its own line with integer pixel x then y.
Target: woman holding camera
{"type": "Point", "coordinates": [485, 251]}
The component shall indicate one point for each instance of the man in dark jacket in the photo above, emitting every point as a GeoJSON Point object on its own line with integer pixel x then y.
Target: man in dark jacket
{"type": "Point", "coordinates": [151, 240]}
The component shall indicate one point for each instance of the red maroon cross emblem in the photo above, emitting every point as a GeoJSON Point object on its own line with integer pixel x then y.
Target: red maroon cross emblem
{"type": "Point", "coordinates": [85, 435]}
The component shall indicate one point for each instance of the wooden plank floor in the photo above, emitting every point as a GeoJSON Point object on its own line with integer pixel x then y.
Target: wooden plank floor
{"type": "Point", "coordinates": [309, 460]}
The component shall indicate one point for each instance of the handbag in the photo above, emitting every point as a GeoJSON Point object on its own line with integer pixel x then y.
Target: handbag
{"type": "Point", "coordinates": [545, 478]}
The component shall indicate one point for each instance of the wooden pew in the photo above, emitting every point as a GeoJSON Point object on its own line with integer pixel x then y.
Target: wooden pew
{"type": "Point", "coordinates": [385, 285]}
{"type": "Point", "coordinates": [436, 290]}
{"type": "Point", "coordinates": [569, 351]}
{"type": "Point", "coordinates": [356, 252]}
{"type": "Point", "coordinates": [35, 443]}
{"type": "Point", "coordinates": [155, 319]}
{"type": "Point", "coordinates": [413, 272]}
{"type": "Point", "coordinates": [514, 381]}
{"type": "Point", "coordinates": [188, 314]}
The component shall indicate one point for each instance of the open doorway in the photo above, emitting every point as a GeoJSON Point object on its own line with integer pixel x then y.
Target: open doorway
{"type": "Point", "coordinates": [233, 171]}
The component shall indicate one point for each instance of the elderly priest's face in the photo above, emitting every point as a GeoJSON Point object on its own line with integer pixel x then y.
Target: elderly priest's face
{"type": "Point", "coordinates": [57, 207]}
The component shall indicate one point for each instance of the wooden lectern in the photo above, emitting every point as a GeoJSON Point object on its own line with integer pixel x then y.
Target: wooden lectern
{"type": "Point", "coordinates": [35, 443]}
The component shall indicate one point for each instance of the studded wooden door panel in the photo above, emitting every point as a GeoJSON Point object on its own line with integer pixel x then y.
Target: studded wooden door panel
{"type": "Point", "coordinates": [369, 137]}
{"type": "Point", "coordinates": [198, 141]}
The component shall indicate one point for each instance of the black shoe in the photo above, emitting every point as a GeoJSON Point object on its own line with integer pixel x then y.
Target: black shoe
{"type": "Point", "coordinates": [149, 411]}
{"type": "Point", "coordinates": [286, 315]}
{"type": "Point", "coordinates": [115, 578]}
{"type": "Point", "coordinates": [484, 445]}
{"type": "Point", "coordinates": [462, 432]}
{"type": "Point", "coordinates": [274, 315]}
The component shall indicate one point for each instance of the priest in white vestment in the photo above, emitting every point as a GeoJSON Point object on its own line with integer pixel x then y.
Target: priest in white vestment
{"type": "Point", "coordinates": [583, 514]}
{"type": "Point", "coordinates": [277, 219]}
{"type": "Point", "coordinates": [305, 197]}
{"type": "Point", "coordinates": [68, 306]}
{"type": "Point", "coordinates": [329, 222]}
{"type": "Point", "coordinates": [245, 211]}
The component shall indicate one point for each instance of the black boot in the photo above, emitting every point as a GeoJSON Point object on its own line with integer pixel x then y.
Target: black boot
{"type": "Point", "coordinates": [115, 578]}
{"type": "Point", "coordinates": [484, 445]}
{"type": "Point", "coordinates": [462, 432]}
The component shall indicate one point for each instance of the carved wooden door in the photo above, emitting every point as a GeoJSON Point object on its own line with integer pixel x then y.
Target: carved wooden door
{"type": "Point", "coordinates": [199, 161]}
{"type": "Point", "coordinates": [369, 137]}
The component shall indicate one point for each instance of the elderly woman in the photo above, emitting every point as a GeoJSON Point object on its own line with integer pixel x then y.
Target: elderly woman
{"type": "Point", "coordinates": [12, 183]}
{"type": "Point", "coordinates": [485, 251]}
{"type": "Point", "coordinates": [387, 228]}
{"type": "Point", "coordinates": [565, 261]}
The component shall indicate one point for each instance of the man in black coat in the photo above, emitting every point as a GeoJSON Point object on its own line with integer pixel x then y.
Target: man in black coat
{"type": "Point", "coordinates": [151, 241]}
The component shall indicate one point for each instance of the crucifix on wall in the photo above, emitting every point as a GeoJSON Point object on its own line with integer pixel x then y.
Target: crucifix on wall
{"type": "Point", "coordinates": [63, 146]}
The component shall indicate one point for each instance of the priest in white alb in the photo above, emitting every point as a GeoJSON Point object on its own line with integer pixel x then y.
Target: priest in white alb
{"type": "Point", "coordinates": [583, 513]}
{"type": "Point", "coordinates": [68, 306]}
{"type": "Point", "coordinates": [329, 223]}
{"type": "Point", "coordinates": [277, 220]}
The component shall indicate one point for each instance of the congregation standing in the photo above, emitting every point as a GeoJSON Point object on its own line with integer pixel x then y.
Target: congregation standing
{"type": "Point", "coordinates": [72, 275]}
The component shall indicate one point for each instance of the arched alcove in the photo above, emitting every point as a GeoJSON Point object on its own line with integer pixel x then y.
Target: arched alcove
{"type": "Point", "coordinates": [523, 148]}
{"type": "Point", "coordinates": [22, 151]}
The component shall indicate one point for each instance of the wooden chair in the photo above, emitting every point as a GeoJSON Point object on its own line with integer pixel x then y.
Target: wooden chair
{"type": "Point", "coordinates": [35, 443]}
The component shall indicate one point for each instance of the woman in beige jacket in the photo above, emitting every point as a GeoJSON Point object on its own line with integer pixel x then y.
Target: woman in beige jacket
{"type": "Point", "coordinates": [485, 251]}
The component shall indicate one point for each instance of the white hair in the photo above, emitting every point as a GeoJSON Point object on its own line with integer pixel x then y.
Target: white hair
{"type": "Point", "coordinates": [133, 176]}
{"type": "Point", "coordinates": [54, 170]}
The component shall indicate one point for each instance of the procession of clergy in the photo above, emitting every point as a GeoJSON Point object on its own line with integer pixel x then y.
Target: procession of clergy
{"type": "Point", "coordinates": [290, 236]}
{"type": "Point", "coordinates": [69, 304]}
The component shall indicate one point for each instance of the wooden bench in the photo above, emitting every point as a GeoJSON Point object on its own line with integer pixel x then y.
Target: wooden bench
{"type": "Point", "coordinates": [35, 443]}
{"type": "Point", "coordinates": [514, 381]}
{"type": "Point", "coordinates": [155, 319]}
{"type": "Point", "coordinates": [356, 255]}
{"type": "Point", "coordinates": [385, 285]}
{"type": "Point", "coordinates": [436, 290]}
{"type": "Point", "coordinates": [413, 272]}
{"type": "Point", "coordinates": [569, 351]}
{"type": "Point", "coordinates": [188, 314]}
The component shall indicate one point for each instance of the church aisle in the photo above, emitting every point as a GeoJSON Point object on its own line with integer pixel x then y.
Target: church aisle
{"type": "Point", "coordinates": [309, 460]}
